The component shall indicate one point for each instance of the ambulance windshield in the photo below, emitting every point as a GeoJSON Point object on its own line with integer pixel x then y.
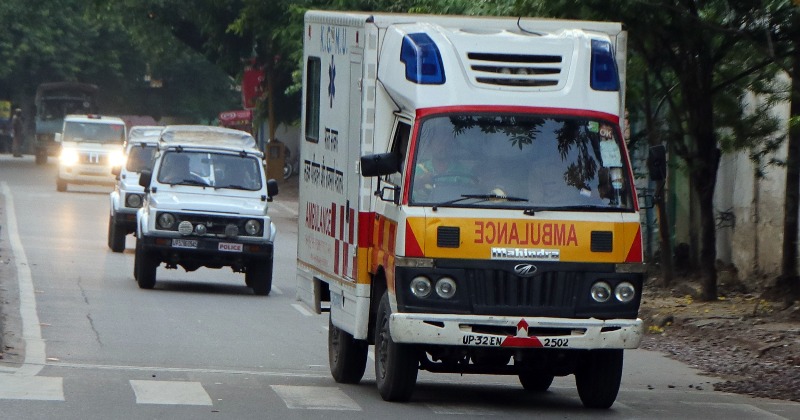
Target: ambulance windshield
{"type": "Point", "coordinates": [520, 161]}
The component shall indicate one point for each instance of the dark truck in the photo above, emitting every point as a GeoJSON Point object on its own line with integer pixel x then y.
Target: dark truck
{"type": "Point", "coordinates": [54, 101]}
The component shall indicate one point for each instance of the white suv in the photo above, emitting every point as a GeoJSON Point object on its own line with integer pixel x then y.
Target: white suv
{"type": "Point", "coordinates": [206, 202]}
{"type": "Point", "coordinates": [91, 145]}
{"type": "Point", "coordinates": [128, 195]}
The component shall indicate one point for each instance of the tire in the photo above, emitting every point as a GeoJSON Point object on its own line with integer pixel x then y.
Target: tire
{"type": "Point", "coordinates": [396, 365]}
{"type": "Point", "coordinates": [288, 170]}
{"type": "Point", "coordinates": [145, 265]}
{"type": "Point", "coordinates": [116, 236]}
{"type": "Point", "coordinates": [535, 381]}
{"type": "Point", "coordinates": [61, 185]}
{"type": "Point", "coordinates": [259, 276]}
{"type": "Point", "coordinates": [347, 356]}
{"type": "Point", "coordinates": [598, 377]}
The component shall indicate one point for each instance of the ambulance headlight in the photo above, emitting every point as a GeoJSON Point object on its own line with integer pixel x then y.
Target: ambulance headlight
{"type": "Point", "coordinates": [446, 287]}
{"type": "Point", "coordinates": [601, 292]}
{"type": "Point", "coordinates": [421, 287]}
{"type": "Point", "coordinates": [625, 292]}
{"type": "Point", "coordinates": [69, 157]}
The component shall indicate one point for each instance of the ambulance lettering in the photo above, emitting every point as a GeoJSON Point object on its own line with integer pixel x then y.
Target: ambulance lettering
{"type": "Point", "coordinates": [532, 233]}
{"type": "Point", "coordinates": [319, 218]}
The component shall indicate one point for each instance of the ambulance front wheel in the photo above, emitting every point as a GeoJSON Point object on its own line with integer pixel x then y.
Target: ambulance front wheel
{"type": "Point", "coordinates": [396, 365]}
{"type": "Point", "coordinates": [346, 355]}
{"type": "Point", "coordinates": [598, 377]}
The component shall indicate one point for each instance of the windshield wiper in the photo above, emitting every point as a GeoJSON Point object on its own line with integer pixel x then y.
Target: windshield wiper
{"type": "Point", "coordinates": [191, 182]}
{"type": "Point", "coordinates": [530, 211]}
{"type": "Point", "coordinates": [233, 187]}
{"type": "Point", "coordinates": [480, 197]}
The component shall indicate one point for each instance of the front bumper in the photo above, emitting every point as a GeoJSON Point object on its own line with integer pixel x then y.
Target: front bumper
{"type": "Point", "coordinates": [206, 249]}
{"type": "Point", "coordinates": [515, 331]}
{"type": "Point", "coordinates": [87, 174]}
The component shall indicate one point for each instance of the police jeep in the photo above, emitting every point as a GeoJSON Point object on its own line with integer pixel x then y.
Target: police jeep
{"type": "Point", "coordinates": [206, 202]}
{"type": "Point", "coordinates": [128, 195]}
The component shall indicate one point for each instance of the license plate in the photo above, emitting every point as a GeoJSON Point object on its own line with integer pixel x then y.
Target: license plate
{"type": "Point", "coordinates": [184, 243]}
{"type": "Point", "coordinates": [228, 247]}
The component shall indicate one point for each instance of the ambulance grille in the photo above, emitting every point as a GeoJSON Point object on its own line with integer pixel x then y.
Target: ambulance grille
{"type": "Point", "coordinates": [602, 241]}
{"type": "Point", "coordinates": [448, 237]}
{"type": "Point", "coordinates": [523, 70]}
{"type": "Point", "coordinates": [501, 292]}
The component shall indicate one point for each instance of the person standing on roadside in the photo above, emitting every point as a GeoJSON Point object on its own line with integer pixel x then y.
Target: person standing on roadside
{"type": "Point", "coordinates": [17, 132]}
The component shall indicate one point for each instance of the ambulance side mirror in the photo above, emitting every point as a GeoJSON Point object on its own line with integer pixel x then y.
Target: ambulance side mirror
{"type": "Point", "coordinates": [379, 164]}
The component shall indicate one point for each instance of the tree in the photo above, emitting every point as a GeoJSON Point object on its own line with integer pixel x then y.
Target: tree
{"type": "Point", "coordinates": [701, 56]}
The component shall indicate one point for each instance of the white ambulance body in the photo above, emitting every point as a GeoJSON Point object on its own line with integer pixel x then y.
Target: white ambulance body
{"type": "Point", "coordinates": [475, 268]}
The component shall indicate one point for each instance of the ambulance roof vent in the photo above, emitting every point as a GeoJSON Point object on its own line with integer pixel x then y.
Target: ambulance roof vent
{"type": "Point", "coordinates": [516, 70]}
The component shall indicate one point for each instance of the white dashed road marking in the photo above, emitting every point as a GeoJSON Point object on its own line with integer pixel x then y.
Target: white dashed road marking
{"type": "Point", "coordinates": [170, 392]}
{"type": "Point", "coordinates": [315, 398]}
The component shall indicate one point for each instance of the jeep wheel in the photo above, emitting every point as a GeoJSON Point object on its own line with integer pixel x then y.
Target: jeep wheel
{"type": "Point", "coordinates": [116, 236]}
{"type": "Point", "coordinates": [61, 185]}
{"type": "Point", "coordinates": [346, 355]}
{"type": "Point", "coordinates": [144, 266]}
{"type": "Point", "coordinates": [258, 275]}
{"type": "Point", "coordinates": [598, 377]}
{"type": "Point", "coordinates": [535, 381]}
{"type": "Point", "coordinates": [396, 365]}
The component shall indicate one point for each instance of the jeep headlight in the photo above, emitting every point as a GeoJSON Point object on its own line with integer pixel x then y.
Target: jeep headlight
{"type": "Point", "coordinates": [252, 227]}
{"type": "Point", "coordinates": [166, 221]}
{"type": "Point", "coordinates": [133, 200]}
{"type": "Point", "coordinates": [116, 158]}
{"type": "Point", "coordinates": [69, 156]}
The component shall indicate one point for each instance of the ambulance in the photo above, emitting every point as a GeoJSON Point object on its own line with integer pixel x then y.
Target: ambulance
{"type": "Point", "coordinates": [467, 203]}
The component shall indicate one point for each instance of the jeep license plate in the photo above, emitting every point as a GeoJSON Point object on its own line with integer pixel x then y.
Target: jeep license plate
{"type": "Point", "coordinates": [184, 243]}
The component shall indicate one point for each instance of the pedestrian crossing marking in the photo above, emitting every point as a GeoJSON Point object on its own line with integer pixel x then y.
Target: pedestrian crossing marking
{"type": "Point", "coordinates": [462, 410]}
{"type": "Point", "coordinates": [315, 398]}
{"type": "Point", "coordinates": [170, 393]}
{"type": "Point", "coordinates": [22, 387]}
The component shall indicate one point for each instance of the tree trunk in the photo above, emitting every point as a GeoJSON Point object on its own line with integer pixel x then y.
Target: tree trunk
{"type": "Point", "coordinates": [788, 280]}
{"type": "Point", "coordinates": [271, 101]}
{"type": "Point", "coordinates": [704, 181]}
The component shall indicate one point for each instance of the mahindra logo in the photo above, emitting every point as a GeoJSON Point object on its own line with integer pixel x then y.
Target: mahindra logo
{"type": "Point", "coordinates": [525, 270]}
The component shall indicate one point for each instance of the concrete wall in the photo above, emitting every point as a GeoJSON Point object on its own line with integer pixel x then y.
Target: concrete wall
{"type": "Point", "coordinates": [753, 244]}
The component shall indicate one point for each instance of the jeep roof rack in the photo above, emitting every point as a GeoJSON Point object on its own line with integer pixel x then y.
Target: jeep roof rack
{"type": "Point", "coordinates": [208, 136]}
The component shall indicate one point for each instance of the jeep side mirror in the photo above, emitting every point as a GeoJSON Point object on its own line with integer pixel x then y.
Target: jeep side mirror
{"type": "Point", "coordinates": [272, 189]}
{"type": "Point", "coordinates": [144, 179]}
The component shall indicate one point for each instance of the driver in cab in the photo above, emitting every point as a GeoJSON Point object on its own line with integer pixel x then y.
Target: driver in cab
{"type": "Point", "coordinates": [441, 172]}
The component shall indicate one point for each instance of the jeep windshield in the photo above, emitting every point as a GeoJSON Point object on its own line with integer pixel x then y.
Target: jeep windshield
{"type": "Point", "coordinates": [209, 169]}
{"type": "Point", "coordinates": [520, 161]}
{"type": "Point", "coordinates": [94, 132]}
